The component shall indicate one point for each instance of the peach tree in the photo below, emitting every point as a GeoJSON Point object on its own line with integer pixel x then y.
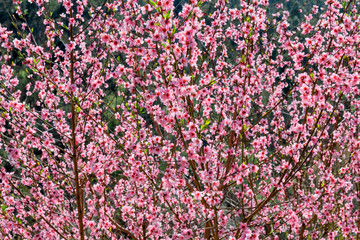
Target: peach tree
{"type": "Point", "coordinates": [131, 120]}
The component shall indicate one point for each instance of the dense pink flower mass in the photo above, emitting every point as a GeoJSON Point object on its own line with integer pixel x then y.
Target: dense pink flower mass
{"type": "Point", "coordinates": [136, 122]}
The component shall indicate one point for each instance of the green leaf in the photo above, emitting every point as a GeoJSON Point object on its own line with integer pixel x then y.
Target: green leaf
{"type": "Point", "coordinates": [205, 124]}
{"type": "Point", "coordinates": [167, 15]}
{"type": "Point", "coordinates": [36, 61]}
{"type": "Point", "coordinates": [18, 220]}
{"type": "Point", "coordinates": [242, 58]}
{"type": "Point", "coordinates": [174, 30]}
{"type": "Point", "coordinates": [3, 207]}
{"type": "Point", "coordinates": [251, 33]}
{"type": "Point", "coordinates": [153, 3]}
{"type": "Point", "coordinates": [344, 4]}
